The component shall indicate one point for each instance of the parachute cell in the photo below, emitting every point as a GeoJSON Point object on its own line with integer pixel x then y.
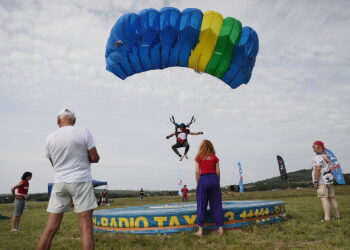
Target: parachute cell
{"type": "Point", "coordinates": [156, 39]}
{"type": "Point", "coordinates": [228, 37]}
{"type": "Point", "coordinates": [201, 55]}
{"type": "Point", "coordinates": [244, 59]}
{"type": "Point", "coordinates": [149, 38]}
{"type": "Point", "coordinates": [190, 26]}
{"type": "Point", "coordinates": [169, 31]}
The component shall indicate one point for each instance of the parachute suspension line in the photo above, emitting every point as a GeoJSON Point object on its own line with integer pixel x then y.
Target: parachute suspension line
{"type": "Point", "coordinates": [198, 91]}
{"type": "Point", "coordinates": [151, 83]}
{"type": "Point", "coordinates": [148, 82]}
{"type": "Point", "coordinates": [214, 97]}
{"type": "Point", "coordinates": [207, 95]}
{"type": "Point", "coordinates": [169, 92]}
{"type": "Point", "coordinates": [197, 88]}
{"type": "Point", "coordinates": [144, 80]}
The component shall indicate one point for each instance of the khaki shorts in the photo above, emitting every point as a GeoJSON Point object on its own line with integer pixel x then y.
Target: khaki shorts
{"type": "Point", "coordinates": [19, 206]}
{"type": "Point", "coordinates": [325, 191]}
{"type": "Point", "coordinates": [63, 195]}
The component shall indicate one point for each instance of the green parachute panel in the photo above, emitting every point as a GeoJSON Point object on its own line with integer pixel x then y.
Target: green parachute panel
{"type": "Point", "coordinates": [221, 59]}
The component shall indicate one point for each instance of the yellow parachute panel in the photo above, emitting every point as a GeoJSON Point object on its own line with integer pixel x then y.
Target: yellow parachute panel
{"type": "Point", "coordinates": [203, 51]}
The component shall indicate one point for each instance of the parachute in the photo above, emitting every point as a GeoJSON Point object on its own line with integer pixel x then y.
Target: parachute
{"type": "Point", "coordinates": [205, 42]}
{"type": "Point", "coordinates": [336, 169]}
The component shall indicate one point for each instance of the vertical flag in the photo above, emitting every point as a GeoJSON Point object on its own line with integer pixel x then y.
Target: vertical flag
{"type": "Point", "coordinates": [282, 168]}
{"type": "Point", "coordinates": [179, 186]}
{"type": "Point", "coordinates": [241, 190]}
{"type": "Point", "coordinates": [335, 168]}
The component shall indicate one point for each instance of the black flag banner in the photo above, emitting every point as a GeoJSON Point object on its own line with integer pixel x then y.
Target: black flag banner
{"type": "Point", "coordinates": [282, 168]}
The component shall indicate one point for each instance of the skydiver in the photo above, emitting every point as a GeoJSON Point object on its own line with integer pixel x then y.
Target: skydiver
{"type": "Point", "coordinates": [181, 139]}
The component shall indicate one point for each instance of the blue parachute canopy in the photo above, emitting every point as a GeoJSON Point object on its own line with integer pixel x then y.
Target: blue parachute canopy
{"type": "Point", "coordinates": [155, 39]}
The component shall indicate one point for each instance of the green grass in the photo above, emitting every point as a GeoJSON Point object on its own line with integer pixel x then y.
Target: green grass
{"type": "Point", "coordinates": [302, 230]}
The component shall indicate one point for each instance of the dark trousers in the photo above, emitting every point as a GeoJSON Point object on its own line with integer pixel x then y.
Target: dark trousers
{"type": "Point", "coordinates": [208, 190]}
{"type": "Point", "coordinates": [181, 145]}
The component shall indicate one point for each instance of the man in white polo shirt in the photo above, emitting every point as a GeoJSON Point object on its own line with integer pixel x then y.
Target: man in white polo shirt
{"type": "Point", "coordinates": [70, 150]}
{"type": "Point", "coordinates": [323, 180]}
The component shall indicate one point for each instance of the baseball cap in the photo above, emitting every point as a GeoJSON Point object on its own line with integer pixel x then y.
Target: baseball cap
{"type": "Point", "coordinates": [66, 111]}
{"type": "Point", "coordinates": [320, 143]}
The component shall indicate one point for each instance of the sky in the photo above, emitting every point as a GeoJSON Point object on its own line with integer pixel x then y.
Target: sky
{"type": "Point", "coordinates": [52, 57]}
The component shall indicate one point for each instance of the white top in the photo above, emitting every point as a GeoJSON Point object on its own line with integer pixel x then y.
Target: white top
{"type": "Point", "coordinates": [182, 136]}
{"type": "Point", "coordinates": [68, 149]}
{"type": "Point", "coordinates": [325, 163]}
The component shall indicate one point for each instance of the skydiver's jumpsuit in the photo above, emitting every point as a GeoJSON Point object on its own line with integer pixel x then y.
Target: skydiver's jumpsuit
{"type": "Point", "coordinates": [181, 141]}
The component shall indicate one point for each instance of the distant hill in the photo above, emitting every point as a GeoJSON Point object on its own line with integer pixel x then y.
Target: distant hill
{"type": "Point", "coordinates": [112, 194]}
{"type": "Point", "coordinates": [297, 179]}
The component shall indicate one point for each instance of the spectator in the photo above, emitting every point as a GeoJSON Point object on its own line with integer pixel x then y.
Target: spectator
{"type": "Point", "coordinates": [323, 180]}
{"type": "Point", "coordinates": [141, 194]}
{"type": "Point", "coordinates": [70, 150]}
{"type": "Point", "coordinates": [104, 196]}
{"type": "Point", "coordinates": [20, 199]}
{"type": "Point", "coordinates": [208, 186]}
{"type": "Point", "coordinates": [184, 192]}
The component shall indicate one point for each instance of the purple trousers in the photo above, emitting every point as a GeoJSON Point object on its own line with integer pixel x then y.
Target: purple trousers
{"type": "Point", "coordinates": [208, 190]}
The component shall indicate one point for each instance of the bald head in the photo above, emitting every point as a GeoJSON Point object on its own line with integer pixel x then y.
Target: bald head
{"type": "Point", "coordinates": [66, 117]}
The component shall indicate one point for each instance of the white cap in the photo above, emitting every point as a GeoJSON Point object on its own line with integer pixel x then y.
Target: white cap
{"type": "Point", "coordinates": [65, 111]}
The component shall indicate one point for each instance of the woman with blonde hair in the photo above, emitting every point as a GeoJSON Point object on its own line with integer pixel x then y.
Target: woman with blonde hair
{"type": "Point", "coordinates": [208, 186]}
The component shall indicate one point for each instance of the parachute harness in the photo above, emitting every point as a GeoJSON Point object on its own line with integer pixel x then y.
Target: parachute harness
{"type": "Point", "coordinates": [172, 120]}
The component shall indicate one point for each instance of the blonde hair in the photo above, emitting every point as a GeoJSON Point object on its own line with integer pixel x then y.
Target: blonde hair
{"type": "Point", "coordinates": [205, 148]}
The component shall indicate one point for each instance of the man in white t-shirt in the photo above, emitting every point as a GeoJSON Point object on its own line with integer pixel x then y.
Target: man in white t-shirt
{"type": "Point", "coordinates": [323, 180]}
{"type": "Point", "coordinates": [71, 150]}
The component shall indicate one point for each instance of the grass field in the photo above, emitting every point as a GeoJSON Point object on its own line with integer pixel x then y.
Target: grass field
{"type": "Point", "coordinates": [302, 230]}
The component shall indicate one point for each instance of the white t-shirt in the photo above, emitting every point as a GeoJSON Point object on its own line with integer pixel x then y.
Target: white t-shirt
{"type": "Point", "coordinates": [325, 163]}
{"type": "Point", "coordinates": [182, 136]}
{"type": "Point", "coordinates": [68, 149]}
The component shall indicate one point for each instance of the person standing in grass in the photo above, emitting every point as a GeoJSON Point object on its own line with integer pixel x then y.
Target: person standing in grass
{"type": "Point", "coordinates": [184, 192]}
{"type": "Point", "coordinates": [20, 199]}
{"type": "Point", "coordinates": [323, 180]}
{"type": "Point", "coordinates": [71, 150]}
{"type": "Point", "coordinates": [104, 195]}
{"type": "Point", "coordinates": [208, 186]}
{"type": "Point", "coordinates": [142, 193]}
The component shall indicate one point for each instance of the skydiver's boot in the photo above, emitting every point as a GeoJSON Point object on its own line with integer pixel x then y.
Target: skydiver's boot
{"type": "Point", "coordinates": [181, 157]}
{"type": "Point", "coordinates": [186, 157]}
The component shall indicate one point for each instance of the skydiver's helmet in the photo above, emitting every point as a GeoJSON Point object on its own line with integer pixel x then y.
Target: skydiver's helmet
{"type": "Point", "coordinates": [182, 126]}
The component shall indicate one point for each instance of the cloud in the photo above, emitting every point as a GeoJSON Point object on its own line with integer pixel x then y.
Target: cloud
{"type": "Point", "coordinates": [53, 57]}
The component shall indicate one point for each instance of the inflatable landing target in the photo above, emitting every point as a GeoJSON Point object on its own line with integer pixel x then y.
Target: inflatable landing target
{"type": "Point", "coordinates": [172, 218]}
